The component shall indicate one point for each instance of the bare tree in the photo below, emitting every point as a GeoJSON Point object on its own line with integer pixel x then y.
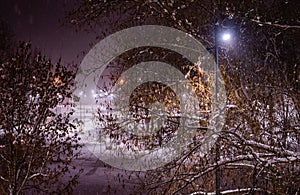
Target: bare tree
{"type": "Point", "coordinates": [38, 142]}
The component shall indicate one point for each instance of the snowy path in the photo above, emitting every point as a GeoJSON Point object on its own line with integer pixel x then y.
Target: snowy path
{"type": "Point", "coordinates": [100, 179]}
{"type": "Point", "coordinates": [96, 177]}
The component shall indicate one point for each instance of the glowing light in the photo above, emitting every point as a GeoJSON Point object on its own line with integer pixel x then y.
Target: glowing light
{"type": "Point", "coordinates": [56, 81]}
{"type": "Point", "coordinates": [122, 81]}
{"type": "Point", "coordinates": [226, 37]}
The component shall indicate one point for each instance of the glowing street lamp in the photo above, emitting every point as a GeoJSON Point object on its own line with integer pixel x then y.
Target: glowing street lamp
{"type": "Point", "coordinates": [225, 38]}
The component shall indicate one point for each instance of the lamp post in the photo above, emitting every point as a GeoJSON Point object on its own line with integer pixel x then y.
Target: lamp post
{"type": "Point", "coordinates": [224, 37]}
{"type": "Point", "coordinates": [80, 111]}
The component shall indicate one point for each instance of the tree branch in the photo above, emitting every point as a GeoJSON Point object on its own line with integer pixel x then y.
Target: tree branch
{"type": "Point", "coordinates": [285, 26]}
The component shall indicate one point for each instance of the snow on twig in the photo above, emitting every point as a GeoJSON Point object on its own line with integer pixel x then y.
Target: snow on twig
{"type": "Point", "coordinates": [286, 26]}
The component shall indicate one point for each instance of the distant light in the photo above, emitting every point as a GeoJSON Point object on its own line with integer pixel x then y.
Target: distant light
{"type": "Point", "coordinates": [56, 81]}
{"type": "Point", "coordinates": [122, 81]}
{"type": "Point", "coordinates": [226, 37]}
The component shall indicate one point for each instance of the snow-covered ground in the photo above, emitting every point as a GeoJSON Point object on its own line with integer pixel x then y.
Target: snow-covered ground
{"type": "Point", "coordinates": [100, 179]}
{"type": "Point", "coordinates": [96, 177]}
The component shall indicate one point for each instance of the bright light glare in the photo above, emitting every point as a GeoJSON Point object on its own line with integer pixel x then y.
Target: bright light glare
{"type": "Point", "coordinates": [226, 37]}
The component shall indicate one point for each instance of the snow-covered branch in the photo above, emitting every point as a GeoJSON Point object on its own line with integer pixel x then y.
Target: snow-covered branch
{"type": "Point", "coordinates": [36, 175]}
{"type": "Point", "coordinates": [2, 178]}
{"type": "Point", "coordinates": [230, 191]}
{"type": "Point", "coordinates": [285, 26]}
{"type": "Point", "coordinates": [270, 148]}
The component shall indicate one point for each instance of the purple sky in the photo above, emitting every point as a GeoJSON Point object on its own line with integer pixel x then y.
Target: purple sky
{"type": "Point", "coordinates": [40, 21]}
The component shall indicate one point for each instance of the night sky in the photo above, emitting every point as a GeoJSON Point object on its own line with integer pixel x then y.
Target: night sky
{"type": "Point", "coordinates": [43, 23]}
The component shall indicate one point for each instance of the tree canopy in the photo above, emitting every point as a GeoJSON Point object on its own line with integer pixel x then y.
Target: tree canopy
{"type": "Point", "coordinates": [258, 148]}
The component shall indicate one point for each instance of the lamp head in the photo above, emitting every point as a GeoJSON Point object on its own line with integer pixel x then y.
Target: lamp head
{"type": "Point", "coordinates": [226, 37]}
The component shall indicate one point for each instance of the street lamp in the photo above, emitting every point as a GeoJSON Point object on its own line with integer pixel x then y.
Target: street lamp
{"type": "Point", "coordinates": [224, 37]}
{"type": "Point", "coordinates": [80, 94]}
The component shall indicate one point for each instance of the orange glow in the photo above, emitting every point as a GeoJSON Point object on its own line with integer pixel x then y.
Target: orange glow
{"type": "Point", "coordinates": [56, 81]}
{"type": "Point", "coordinates": [122, 81]}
